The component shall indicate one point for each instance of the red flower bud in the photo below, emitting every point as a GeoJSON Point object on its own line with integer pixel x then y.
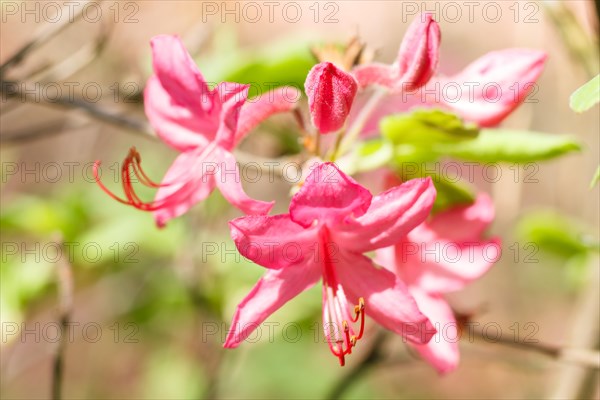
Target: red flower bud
{"type": "Point", "coordinates": [330, 94]}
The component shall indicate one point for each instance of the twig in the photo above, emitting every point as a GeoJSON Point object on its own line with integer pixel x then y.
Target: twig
{"type": "Point", "coordinates": [65, 292]}
{"type": "Point", "coordinates": [582, 47]}
{"type": "Point", "coordinates": [76, 61]}
{"type": "Point", "coordinates": [583, 357]}
{"type": "Point", "coordinates": [374, 355]}
{"type": "Point", "coordinates": [571, 381]}
{"type": "Point", "coordinates": [359, 122]}
{"type": "Point", "coordinates": [42, 130]}
{"type": "Point", "coordinates": [111, 117]}
{"type": "Point", "coordinates": [47, 32]}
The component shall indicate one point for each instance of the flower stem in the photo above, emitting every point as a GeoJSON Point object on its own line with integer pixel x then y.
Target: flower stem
{"type": "Point", "coordinates": [372, 358]}
{"type": "Point", "coordinates": [360, 121]}
{"type": "Point", "coordinates": [335, 152]}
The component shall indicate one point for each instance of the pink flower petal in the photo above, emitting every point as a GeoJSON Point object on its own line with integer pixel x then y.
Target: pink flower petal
{"type": "Point", "coordinates": [177, 72]}
{"type": "Point", "coordinates": [464, 223]}
{"type": "Point", "coordinates": [391, 215]}
{"type": "Point", "coordinates": [419, 53]}
{"type": "Point", "coordinates": [446, 253]}
{"type": "Point", "coordinates": [374, 74]}
{"type": "Point", "coordinates": [387, 299]}
{"type": "Point", "coordinates": [274, 241]}
{"type": "Point", "coordinates": [441, 266]}
{"type": "Point", "coordinates": [233, 97]}
{"type": "Point", "coordinates": [230, 184]}
{"type": "Point", "coordinates": [442, 350]}
{"type": "Point", "coordinates": [330, 94]}
{"type": "Point", "coordinates": [189, 180]}
{"type": "Point", "coordinates": [497, 83]}
{"type": "Point", "coordinates": [258, 109]}
{"type": "Point", "coordinates": [416, 62]}
{"type": "Point", "coordinates": [328, 196]}
{"type": "Point", "coordinates": [392, 103]}
{"type": "Point", "coordinates": [177, 99]}
{"type": "Point", "coordinates": [177, 125]}
{"type": "Point", "coordinates": [271, 292]}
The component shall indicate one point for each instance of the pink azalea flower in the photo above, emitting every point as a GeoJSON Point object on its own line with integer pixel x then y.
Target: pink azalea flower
{"type": "Point", "coordinates": [205, 125]}
{"type": "Point", "coordinates": [498, 82]}
{"type": "Point", "coordinates": [439, 256]}
{"type": "Point", "coordinates": [330, 94]}
{"type": "Point", "coordinates": [485, 92]}
{"type": "Point", "coordinates": [416, 62]}
{"type": "Point", "coordinates": [332, 221]}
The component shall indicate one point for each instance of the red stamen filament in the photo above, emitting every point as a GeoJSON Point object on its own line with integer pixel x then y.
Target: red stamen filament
{"type": "Point", "coordinates": [340, 348]}
{"type": "Point", "coordinates": [133, 162]}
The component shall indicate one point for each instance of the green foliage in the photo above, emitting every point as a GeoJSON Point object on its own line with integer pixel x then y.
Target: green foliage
{"type": "Point", "coordinates": [556, 234]}
{"type": "Point", "coordinates": [560, 241]}
{"type": "Point", "coordinates": [450, 194]}
{"type": "Point", "coordinates": [423, 137]}
{"type": "Point", "coordinates": [501, 145]}
{"type": "Point", "coordinates": [430, 134]}
{"type": "Point", "coordinates": [172, 374]}
{"type": "Point", "coordinates": [586, 96]}
{"type": "Point", "coordinates": [44, 216]}
{"type": "Point", "coordinates": [449, 191]}
{"type": "Point", "coordinates": [367, 156]}
{"type": "Point", "coordinates": [279, 63]}
{"type": "Point", "coordinates": [426, 127]}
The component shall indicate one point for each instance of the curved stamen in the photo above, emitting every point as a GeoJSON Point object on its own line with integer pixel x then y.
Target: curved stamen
{"type": "Point", "coordinates": [139, 172]}
{"type": "Point", "coordinates": [359, 311]}
{"type": "Point", "coordinates": [337, 317]}
{"type": "Point", "coordinates": [132, 163]}
{"type": "Point", "coordinates": [341, 345]}
{"type": "Point", "coordinates": [104, 188]}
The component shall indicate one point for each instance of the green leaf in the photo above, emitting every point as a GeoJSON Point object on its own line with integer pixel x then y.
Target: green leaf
{"type": "Point", "coordinates": [285, 62]}
{"type": "Point", "coordinates": [408, 153]}
{"type": "Point", "coordinates": [450, 194]}
{"type": "Point", "coordinates": [501, 145]}
{"type": "Point", "coordinates": [596, 178]}
{"type": "Point", "coordinates": [586, 96]}
{"type": "Point", "coordinates": [426, 127]}
{"type": "Point", "coordinates": [367, 156]}
{"type": "Point", "coordinates": [556, 235]}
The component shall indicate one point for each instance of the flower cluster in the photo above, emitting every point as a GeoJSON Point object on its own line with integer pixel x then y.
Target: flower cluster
{"type": "Point", "coordinates": [332, 215]}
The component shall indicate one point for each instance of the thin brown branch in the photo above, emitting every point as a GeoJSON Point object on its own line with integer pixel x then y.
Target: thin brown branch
{"type": "Point", "coordinates": [372, 358]}
{"type": "Point", "coordinates": [47, 32]}
{"type": "Point", "coordinates": [116, 118]}
{"type": "Point", "coordinates": [584, 357]}
{"type": "Point", "coordinates": [580, 45]}
{"type": "Point", "coordinates": [43, 130]}
{"type": "Point", "coordinates": [65, 293]}
{"type": "Point", "coordinates": [76, 61]}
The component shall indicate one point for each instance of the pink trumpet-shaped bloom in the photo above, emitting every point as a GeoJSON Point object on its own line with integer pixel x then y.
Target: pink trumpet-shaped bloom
{"type": "Point", "coordinates": [332, 221]}
{"type": "Point", "coordinates": [499, 82]}
{"type": "Point", "coordinates": [485, 92]}
{"type": "Point", "coordinates": [443, 255]}
{"type": "Point", "coordinates": [205, 125]}
{"type": "Point", "coordinates": [330, 92]}
{"type": "Point", "coordinates": [416, 62]}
